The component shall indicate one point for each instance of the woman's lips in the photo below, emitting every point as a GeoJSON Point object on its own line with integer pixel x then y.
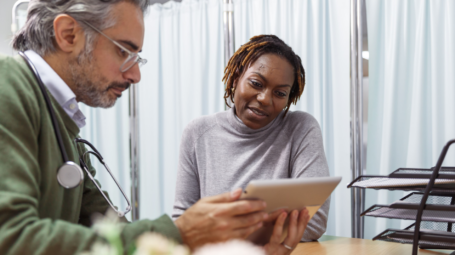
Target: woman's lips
{"type": "Point", "coordinates": [257, 112]}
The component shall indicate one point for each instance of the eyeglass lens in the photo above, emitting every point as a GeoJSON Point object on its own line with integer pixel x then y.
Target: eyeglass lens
{"type": "Point", "coordinates": [131, 61]}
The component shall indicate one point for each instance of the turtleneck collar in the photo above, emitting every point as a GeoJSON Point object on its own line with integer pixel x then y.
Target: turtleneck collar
{"type": "Point", "coordinates": [237, 124]}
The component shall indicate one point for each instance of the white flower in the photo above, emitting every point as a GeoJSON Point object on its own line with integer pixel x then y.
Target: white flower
{"type": "Point", "coordinates": [233, 247]}
{"type": "Point", "coordinates": [156, 244]}
{"type": "Point", "coordinates": [101, 249]}
{"type": "Point", "coordinates": [108, 226]}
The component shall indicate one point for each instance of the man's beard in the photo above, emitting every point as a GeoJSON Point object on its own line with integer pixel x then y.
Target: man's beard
{"type": "Point", "coordinates": [90, 87]}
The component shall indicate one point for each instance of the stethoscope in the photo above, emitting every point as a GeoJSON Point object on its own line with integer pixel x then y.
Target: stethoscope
{"type": "Point", "coordinates": [70, 174]}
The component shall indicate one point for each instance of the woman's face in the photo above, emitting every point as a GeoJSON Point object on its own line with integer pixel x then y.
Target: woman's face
{"type": "Point", "coordinates": [262, 92]}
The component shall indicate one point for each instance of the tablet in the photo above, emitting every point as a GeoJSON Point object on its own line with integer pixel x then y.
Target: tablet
{"type": "Point", "coordinates": [292, 194]}
{"type": "Point", "coordinates": [289, 194]}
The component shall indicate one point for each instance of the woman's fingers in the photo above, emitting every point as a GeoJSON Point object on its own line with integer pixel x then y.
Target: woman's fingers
{"type": "Point", "coordinates": [297, 225]}
{"type": "Point", "coordinates": [304, 218]}
{"type": "Point", "coordinates": [292, 230]}
{"type": "Point", "coordinates": [278, 229]}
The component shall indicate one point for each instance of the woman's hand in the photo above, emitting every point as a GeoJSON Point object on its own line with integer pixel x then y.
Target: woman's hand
{"type": "Point", "coordinates": [297, 224]}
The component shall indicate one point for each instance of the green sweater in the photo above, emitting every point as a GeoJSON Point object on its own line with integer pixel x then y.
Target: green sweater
{"type": "Point", "coordinates": [37, 215]}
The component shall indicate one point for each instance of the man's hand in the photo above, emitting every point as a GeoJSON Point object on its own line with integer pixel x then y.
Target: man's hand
{"type": "Point", "coordinates": [220, 218]}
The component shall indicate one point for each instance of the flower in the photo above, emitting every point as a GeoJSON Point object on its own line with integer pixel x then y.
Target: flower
{"type": "Point", "coordinates": [237, 247]}
{"type": "Point", "coordinates": [110, 228]}
{"type": "Point", "coordinates": [151, 243]}
{"type": "Point", "coordinates": [101, 249]}
{"type": "Point", "coordinates": [155, 244]}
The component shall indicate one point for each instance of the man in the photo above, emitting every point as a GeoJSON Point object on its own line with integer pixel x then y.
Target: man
{"type": "Point", "coordinates": [84, 51]}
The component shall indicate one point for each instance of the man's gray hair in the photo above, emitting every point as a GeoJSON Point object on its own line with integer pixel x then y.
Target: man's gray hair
{"type": "Point", "coordinates": [38, 32]}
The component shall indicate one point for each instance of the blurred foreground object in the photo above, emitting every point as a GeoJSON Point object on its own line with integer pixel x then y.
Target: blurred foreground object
{"type": "Point", "coordinates": [109, 227]}
{"type": "Point", "coordinates": [237, 247]}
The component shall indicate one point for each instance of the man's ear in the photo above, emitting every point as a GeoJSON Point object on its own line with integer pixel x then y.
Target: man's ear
{"type": "Point", "coordinates": [69, 36]}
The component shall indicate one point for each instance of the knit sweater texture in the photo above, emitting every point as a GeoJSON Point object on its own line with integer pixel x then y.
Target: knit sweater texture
{"type": "Point", "coordinates": [37, 215]}
{"type": "Point", "coordinates": [219, 153]}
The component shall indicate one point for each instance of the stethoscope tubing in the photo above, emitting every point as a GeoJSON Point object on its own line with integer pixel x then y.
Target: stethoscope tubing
{"type": "Point", "coordinates": [49, 107]}
{"type": "Point", "coordinates": [63, 150]}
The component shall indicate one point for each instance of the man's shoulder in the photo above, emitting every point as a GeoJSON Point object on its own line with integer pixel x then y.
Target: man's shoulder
{"type": "Point", "coordinates": [18, 85]}
{"type": "Point", "coordinates": [10, 63]}
{"type": "Point", "coordinates": [15, 70]}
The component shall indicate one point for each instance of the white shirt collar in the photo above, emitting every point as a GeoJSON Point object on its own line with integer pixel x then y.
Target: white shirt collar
{"type": "Point", "coordinates": [58, 88]}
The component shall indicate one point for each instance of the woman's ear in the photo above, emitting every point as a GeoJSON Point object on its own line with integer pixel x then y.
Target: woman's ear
{"type": "Point", "coordinates": [237, 74]}
{"type": "Point", "coordinates": [234, 84]}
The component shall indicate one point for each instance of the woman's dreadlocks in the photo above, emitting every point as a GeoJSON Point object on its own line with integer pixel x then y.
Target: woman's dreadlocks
{"type": "Point", "coordinates": [251, 51]}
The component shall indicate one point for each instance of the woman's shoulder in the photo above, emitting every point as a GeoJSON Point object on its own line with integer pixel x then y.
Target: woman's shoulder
{"type": "Point", "coordinates": [300, 121]}
{"type": "Point", "coordinates": [300, 118]}
{"type": "Point", "coordinates": [201, 125]}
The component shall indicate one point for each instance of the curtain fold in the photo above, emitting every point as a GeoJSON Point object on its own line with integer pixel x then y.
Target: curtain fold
{"type": "Point", "coordinates": [411, 90]}
{"type": "Point", "coordinates": [182, 81]}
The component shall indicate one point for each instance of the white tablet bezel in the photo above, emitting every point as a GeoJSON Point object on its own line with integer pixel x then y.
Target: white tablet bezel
{"type": "Point", "coordinates": [288, 194]}
{"type": "Point", "coordinates": [291, 194]}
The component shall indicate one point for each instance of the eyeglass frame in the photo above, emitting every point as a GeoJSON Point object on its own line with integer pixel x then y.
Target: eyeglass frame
{"type": "Point", "coordinates": [139, 60]}
{"type": "Point", "coordinates": [100, 158]}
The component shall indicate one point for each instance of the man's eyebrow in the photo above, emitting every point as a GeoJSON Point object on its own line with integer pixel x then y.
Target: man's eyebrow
{"type": "Point", "coordinates": [131, 44]}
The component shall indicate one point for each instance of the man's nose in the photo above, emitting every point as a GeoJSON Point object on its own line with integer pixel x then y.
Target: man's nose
{"type": "Point", "coordinates": [133, 75]}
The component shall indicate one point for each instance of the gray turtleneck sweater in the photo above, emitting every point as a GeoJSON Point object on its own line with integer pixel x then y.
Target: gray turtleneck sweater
{"type": "Point", "coordinates": [219, 153]}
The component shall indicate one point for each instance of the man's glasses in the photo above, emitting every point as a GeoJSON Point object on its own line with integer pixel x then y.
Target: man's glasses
{"type": "Point", "coordinates": [132, 58]}
{"type": "Point", "coordinates": [84, 158]}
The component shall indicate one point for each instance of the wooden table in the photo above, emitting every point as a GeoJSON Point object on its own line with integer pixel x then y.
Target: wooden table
{"type": "Point", "coordinates": [354, 246]}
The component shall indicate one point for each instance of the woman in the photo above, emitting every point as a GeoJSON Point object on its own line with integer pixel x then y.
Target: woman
{"type": "Point", "coordinates": [258, 138]}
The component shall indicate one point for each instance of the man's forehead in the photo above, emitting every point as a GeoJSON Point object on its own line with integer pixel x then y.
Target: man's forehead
{"type": "Point", "coordinates": [129, 25]}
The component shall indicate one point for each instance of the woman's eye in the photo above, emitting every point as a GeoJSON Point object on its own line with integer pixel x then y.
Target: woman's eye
{"type": "Point", "coordinates": [256, 84]}
{"type": "Point", "coordinates": [281, 94]}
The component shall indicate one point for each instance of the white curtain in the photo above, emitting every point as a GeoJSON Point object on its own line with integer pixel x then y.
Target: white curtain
{"type": "Point", "coordinates": [411, 90]}
{"type": "Point", "coordinates": [182, 80]}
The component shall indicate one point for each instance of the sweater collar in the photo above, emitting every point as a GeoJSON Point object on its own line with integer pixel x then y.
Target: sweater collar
{"type": "Point", "coordinates": [236, 123]}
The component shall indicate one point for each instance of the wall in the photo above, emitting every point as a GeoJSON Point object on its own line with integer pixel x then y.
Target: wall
{"type": "Point", "coordinates": [5, 26]}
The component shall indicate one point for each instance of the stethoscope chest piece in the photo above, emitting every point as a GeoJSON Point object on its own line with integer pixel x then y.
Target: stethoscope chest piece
{"type": "Point", "coordinates": [70, 175]}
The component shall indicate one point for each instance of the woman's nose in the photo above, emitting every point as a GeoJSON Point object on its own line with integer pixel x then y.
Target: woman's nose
{"type": "Point", "coordinates": [265, 97]}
